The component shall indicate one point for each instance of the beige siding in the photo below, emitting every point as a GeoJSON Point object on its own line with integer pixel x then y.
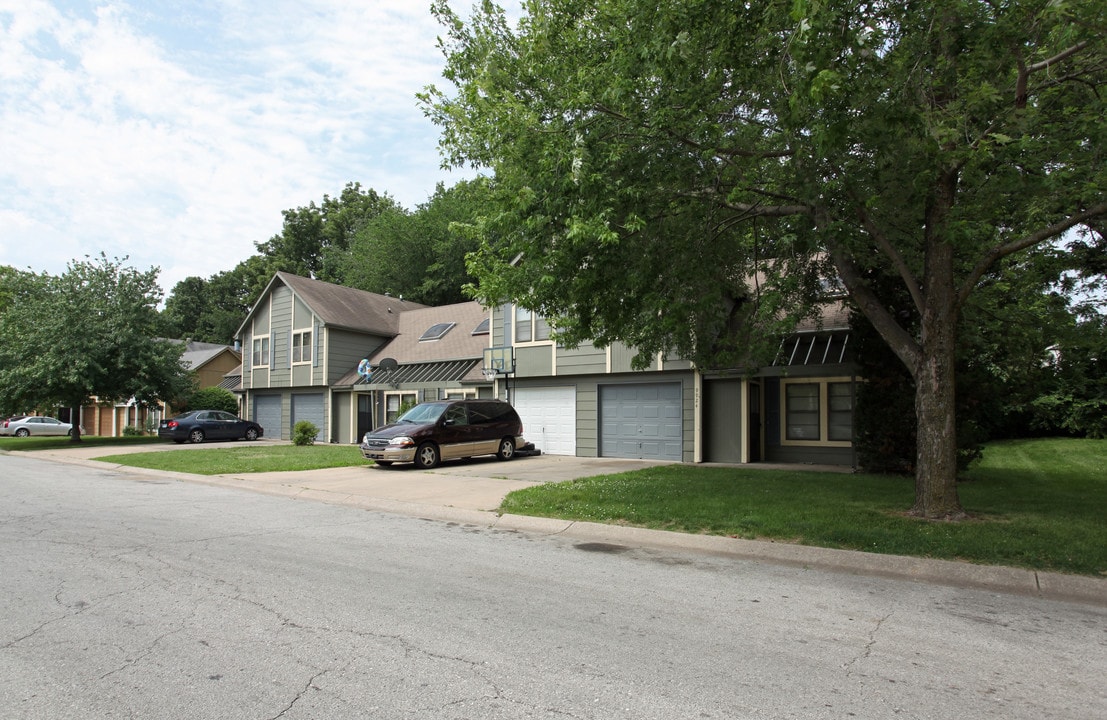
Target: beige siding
{"type": "Point", "coordinates": [534, 361]}
{"type": "Point", "coordinates": [587, 359]}
{"type": "Point", "coordinates": [342, 419]}
{"type": "Point", "coordinates": [621, 357]}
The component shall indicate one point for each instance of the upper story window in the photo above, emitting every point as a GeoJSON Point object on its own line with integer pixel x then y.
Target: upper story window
{"type": "Point", "coordinates": [530, 326]}
{"type": "Point", "coordinates": [301, 346]}
{"type": "Point", "coordinates": [261, 352]}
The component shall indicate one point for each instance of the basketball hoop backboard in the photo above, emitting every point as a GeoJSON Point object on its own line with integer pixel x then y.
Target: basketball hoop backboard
{"type": "Point", "coordinates": [498, 361]}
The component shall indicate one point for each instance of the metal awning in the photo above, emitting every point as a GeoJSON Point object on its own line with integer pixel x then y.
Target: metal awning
{"type": "Point", "coordinates": [447, 371]}
{"type": "Point", "coordinates": [815, 348]}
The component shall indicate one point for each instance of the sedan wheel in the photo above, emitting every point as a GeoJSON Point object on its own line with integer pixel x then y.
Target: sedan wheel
{"type": "Point", "coordinates": [426, 456]}
{"type": "Point", "coordinates": [196, 436]}
{"type": "Point", "coordinates": [22, 432]}
{"type": "Point", "coordinates": [251, 434]}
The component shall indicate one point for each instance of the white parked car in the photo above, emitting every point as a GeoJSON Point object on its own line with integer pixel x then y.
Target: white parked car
{"type": "Point", "coordinates": [36, 425]}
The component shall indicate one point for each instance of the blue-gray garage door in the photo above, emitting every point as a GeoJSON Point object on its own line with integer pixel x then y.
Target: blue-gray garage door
{"type": "Point", "coordinates": [309, 406]}
{"type": "Point", "coordinates": [267, 413]}
{"type": "Point", "coordinates": [641, 420]}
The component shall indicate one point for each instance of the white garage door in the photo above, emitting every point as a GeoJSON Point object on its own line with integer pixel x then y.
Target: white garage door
{"type": "Point", "coordinates": [641, 421]}
{"type": "Point", "coordinates": [549, 418]}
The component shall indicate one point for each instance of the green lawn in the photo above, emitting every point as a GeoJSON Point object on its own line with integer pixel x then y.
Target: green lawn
{"type": "Point", "coordinates": [262, 457]}
{"type": "Point", "coordinates": [1039, 504]}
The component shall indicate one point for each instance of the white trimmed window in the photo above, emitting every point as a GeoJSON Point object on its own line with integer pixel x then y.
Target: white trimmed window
{"type": "Point", "coordinates": [301, 346]}
{"type": "Point", "coordinates": [816, 412]}
{"type": "Point", "coordinates": [530, 326]}
{"type": "Point", "coordinates": [393, 401]}
{"type": "Point", "coordinates": [461, 393]}
{"type": "Point", "coordinates": [260, 356]}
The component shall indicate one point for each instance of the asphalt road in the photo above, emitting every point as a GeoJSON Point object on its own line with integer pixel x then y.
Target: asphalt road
{"type": "Point", "coordinates": [130, 596]}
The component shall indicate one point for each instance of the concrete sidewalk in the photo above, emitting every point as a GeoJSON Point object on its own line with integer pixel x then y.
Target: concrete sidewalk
{"type": "Point", "coordinates": [471, 491]}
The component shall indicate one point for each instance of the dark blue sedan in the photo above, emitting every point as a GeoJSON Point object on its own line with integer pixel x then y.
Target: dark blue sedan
{"type": "Point", "coordinates": [199, 425]}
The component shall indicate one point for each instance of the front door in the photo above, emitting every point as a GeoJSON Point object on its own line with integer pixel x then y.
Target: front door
{"type": "Point", "coordinates": [364, 416]}
{"type": "Point", "coordinates": [755, 422]}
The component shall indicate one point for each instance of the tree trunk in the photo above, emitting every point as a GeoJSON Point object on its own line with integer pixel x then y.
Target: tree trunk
{"type": "Point", "coordinates": [75, 421]}
{"type": "Point", "coordinates": [935, 394]}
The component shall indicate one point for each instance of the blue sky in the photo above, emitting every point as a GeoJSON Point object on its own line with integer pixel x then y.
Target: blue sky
{"type": "Point", "coordinates": [174, 132]}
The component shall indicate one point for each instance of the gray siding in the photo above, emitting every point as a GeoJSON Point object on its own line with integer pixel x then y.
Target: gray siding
{"type": "Point", "coordinates": [345, 349]}
{"type": "Point", "coordinates": [280, 374]}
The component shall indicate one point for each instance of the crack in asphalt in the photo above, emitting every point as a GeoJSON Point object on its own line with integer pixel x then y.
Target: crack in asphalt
{"type": "Point", "coordinates": [309, 686]}
{"type": "Point", "coordinates": [868, 645]}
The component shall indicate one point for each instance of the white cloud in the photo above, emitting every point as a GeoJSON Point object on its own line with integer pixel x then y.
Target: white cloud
{"type": "Point", "coordinates": [175, 133]}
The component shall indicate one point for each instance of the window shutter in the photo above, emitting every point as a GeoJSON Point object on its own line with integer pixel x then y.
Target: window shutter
{"type": "Point", "coordinates": [317, 342]}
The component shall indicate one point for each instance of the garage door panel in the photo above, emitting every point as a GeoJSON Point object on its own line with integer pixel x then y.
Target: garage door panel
{"type": "Point", "coordinates": [641, 421]}
{"type": "Point", "coordinates": [549, 418]}
{"type": "Point", "coordinates": [267, 413]}
{"type": "Point", "coordinates": [309, 406]}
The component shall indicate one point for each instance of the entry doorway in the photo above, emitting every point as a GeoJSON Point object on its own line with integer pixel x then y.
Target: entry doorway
{"type": "Point", "coordinates": [753, 450]}
{"type": "Point", "coordinates": [364, 416]}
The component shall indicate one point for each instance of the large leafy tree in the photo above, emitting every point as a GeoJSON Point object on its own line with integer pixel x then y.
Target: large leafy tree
{"type": "Point", "coordinates": [315, 238]}
{"type": "Point", "coordinates": [210, 310]}
{"type": "Point", "coordinates": [89, 332]}
{"type": "Point", "coordinates": [421, 254]}
{"type": "Point", "coordinates": [684, 175]}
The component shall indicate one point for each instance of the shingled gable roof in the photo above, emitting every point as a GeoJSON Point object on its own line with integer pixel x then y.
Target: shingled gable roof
{"type": "Point", "coordinates": [198, 354]}
{"type": "Point", "coordinates": [459, 349]}
{"type": "Point", "coordinates": [343, 307]}
{"type": "Point", "coordinates": [457, 344]}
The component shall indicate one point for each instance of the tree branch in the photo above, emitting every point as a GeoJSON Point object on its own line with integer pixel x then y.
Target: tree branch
{"type": "Point", "coordinates": [1021, 92]}
{"type": "Point", "coordinates": [895, 256]}
{"type": "Point", "coordinates": [1001, 251]}
{"type": "Point", "coordinates": [899, 340]}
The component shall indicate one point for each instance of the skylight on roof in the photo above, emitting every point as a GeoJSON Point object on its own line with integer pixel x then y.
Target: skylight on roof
{"type": "Point", "coordinates": [437, 331]}
{"type": "Point", "coordinates": [482, 329]}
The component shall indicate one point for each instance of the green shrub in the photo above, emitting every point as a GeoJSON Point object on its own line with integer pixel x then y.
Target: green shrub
{"type": "Point", "coordinates": [304, 432]}
{"type": "Point", "coordinates": [132, 431]}
{"type": "Point", "coordinates": [213, 398]}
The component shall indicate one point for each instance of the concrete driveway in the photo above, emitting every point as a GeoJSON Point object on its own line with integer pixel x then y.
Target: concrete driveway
{"type": "Point", "coordinates": [474, 484]}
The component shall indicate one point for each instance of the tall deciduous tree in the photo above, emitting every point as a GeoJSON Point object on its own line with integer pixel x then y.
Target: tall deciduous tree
{"type": "Point", "coordinates": [420, 254]}
{"type": "Point", "coordinates": [315, 238]}
{"type": "Point", "coordinates": [670, 174]}
{"type": "Point", "coordinates": [89, 332]}
{"type": "Point", "coordinates": [210, 310]}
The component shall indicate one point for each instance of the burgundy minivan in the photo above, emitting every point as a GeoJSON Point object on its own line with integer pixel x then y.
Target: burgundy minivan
{"type": "Point", "coordinates": [444, 430]}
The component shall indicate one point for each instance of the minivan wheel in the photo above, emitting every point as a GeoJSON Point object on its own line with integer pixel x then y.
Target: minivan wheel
{"type": "Point", "coordinates": [507, 449]}
{"type": "Point", "coordinates": [426, 456]}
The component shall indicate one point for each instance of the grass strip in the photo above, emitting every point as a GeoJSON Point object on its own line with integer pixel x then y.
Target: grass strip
{"type": "Point", "coordinates": [263, 457]}
{"type": "Point", "coordinates": [1038, 504]}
